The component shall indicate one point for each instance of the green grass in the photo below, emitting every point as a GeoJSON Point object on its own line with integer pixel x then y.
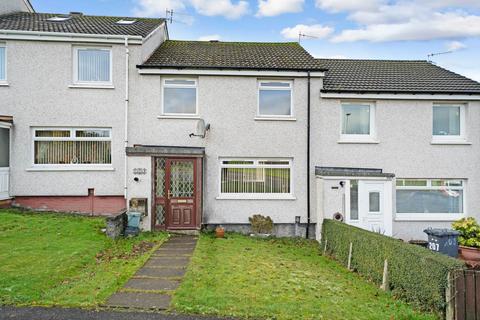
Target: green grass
{"type": "Point", "coordinates": [279, 279]}
{"type": "Point", "coordinates": [58, 259]}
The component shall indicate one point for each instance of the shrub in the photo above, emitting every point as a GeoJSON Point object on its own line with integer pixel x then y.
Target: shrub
{"type": "Point", "coordinates": [261, 224]}
{"type": "Point", "coordinates": [469, 232]}
{"type": "Point", "coordinates": [416, 275]}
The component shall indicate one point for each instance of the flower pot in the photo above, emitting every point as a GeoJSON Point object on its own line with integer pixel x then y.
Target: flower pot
{"type": "Point", "coordinates": [220, 232]}
{"type": "Point", "coordinates": [469, 253]}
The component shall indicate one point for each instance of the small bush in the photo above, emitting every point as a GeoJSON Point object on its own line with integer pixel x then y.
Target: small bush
{"type": "Point", "coordinates": [261, 224]}
{"type": "Point", "coordinates": [416, 275]}
{"type": "Point", "coordinates": [469, 232]}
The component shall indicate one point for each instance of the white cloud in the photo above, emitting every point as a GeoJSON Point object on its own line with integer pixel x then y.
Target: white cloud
{"type": "Point", "coordinates": [347, 5]}
{"type": "Point", "coordinates": [440, 26]}
{"type": "Point", "coordinates": [455, 46]}
{"type": "Point", "coordinates": [209, 37]}
{"type": "Point", "coordinates": [156, 8]}
{"type": "Point", "coordinates": [270, 8]}
{"type": "Point", "coordinates": [315, 30]}
{"type": "Point", "coordinates": [221, 8]}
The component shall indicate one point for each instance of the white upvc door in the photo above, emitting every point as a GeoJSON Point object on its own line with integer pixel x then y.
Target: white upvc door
{"type": "Point", "coordinates": [4, 162]}
{"type": "Point", "coordinates": [375, 206]}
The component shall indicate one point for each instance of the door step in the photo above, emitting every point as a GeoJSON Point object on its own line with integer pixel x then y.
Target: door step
{"type": "Point", "coordinates": [6, 203]}
{"type": "Point", "coordinates": [185, 232]}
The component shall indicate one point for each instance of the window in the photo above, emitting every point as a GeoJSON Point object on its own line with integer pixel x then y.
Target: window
{"type": "Point", "coordinates": [180, 97]}
{"type": "Point", "coordinates": [3, 63]}
{"type": "Point", "coordinates": [358, 122]}
{"type": "Point", "coordinates": [436, 199]}
{"type": "Point", "coordinates": [72, 147]}
{"type": "Point", "coordinates": [448, 122]}
{"type": "Point", "coordinates": [275, 98]}
{"type": "Point", "coordinates": [93, 66]}
{"type": "Point", "coordinates": [59, 18]}
{"type": "Point", "coordinates": [125, 22]}
{"type": "Point", "coordinates": [374, 201]}
{"type": "Point", "coordinates": [353, 199]}
{"type": "Point", "coordinates": [255, 178]}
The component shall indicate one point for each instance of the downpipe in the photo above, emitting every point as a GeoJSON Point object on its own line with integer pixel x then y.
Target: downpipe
{"type": "Point", "coordinates": [127, 97]}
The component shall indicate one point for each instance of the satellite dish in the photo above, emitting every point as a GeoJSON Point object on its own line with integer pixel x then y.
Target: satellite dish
{"type": "Point", "coordinates": [202, 129]}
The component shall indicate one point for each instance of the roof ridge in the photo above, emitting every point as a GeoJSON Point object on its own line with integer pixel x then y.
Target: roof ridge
{"type": "Point", "coordinates": [379, 60]}
{"type": "Point", "coordinates": [83, 15]}
{"type": "Point", "coordinates": [235, 42]}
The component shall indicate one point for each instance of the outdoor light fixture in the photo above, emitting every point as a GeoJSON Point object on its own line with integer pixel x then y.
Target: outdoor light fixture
{"type": "Point", "coordinates": [342, 184]}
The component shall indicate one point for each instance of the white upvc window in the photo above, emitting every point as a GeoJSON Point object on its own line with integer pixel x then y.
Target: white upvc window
{"type": "Point", "coordinates": [256, 179]}
{"type": "Point", "coordinates": [357, 122]}
{"type": "Point", "coordinates": [3, 63]}
{"type": "Point", "coordinates": [275, 99]}
{"type": "Point", "coordinates": [72, 148]}
{"type": "Point", "coordinates": [92, 66]}
{"type": "Point", "coordinates": [430, 199]}
{"type": "Point", "coordinates": [180, 97]}
{"type": "Point", "coordinates": [448, 123]}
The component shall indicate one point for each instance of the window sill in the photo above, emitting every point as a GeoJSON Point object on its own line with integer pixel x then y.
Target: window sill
{"type": "Point", "coordinates": [429, 217]}
{"type": "Point", "coordinates": [259, 118]}
{"type": "Point", "coordinates": [194, 117]}
{"type": "Point", "coordinates": [255, 197]}
{"type": "Point", "coordinates": [80, 168]}
{"type": "Point", "coordinates": [4, 84]}
{"type": "Point", "coordinates": [451, 142]}
{"type": "Point", "coordinates": [91, 86]}
{"type": "Point", "coordinates": [355, 141]}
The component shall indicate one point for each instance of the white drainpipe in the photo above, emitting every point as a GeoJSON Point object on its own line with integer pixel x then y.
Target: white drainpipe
{"type": "Point", "coordinates": [127, 59]}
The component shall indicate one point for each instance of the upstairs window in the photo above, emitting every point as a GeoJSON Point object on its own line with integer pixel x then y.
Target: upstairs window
{"type": "Point", "coordinates": [358, 121]}
{"type": "Point", "coordinates": [275, 98]}
{"type": "Point", "coordinates": [72, 147]}
{"type": "Point", "coordinates": [93, 66]}
{"type": "Point", "coordinates": [448, 122]}
{"type": "Point", "coordinates": [180, 97]}
{"type": "Point", "coordinates": [3, 63]}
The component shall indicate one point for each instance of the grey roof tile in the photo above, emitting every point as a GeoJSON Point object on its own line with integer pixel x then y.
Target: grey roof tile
{"type": "Point", "coordinates": [393, 76]}
{"type": "Point", "coordinates": [79, 24]}
{"type": "Point", "coordinates": [231, 55]}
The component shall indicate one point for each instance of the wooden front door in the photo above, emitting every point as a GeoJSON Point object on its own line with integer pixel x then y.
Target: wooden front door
{"type": "Point", "coordinates": [175, 192]}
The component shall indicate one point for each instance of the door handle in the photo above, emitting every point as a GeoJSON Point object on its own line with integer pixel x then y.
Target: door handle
{"type": "Point", "coordinates": [169, 194]}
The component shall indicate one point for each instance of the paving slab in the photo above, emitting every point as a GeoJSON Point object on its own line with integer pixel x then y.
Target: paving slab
{"type": "Point", "coordinates": [161, 272]}
{"type": "Point", "coordinates": [152, 284]}
{"type": "Point", "coordinates": [140, 300]}
{"type": "Point", "coordinates": [174, 251]}
{"type": "Point", "coordinates": [167, 262]}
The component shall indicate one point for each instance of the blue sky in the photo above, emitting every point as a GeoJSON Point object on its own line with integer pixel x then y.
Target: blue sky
{"type": "Point", "coordinates": [365, 29]}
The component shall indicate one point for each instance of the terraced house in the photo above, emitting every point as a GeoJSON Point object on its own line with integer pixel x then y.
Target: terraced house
{"type": "Point", "coordinates": [99, 114]}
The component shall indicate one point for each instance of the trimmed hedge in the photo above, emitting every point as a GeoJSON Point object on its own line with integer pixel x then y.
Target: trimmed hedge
{"type": "Point", "coordinates": [416, 275]}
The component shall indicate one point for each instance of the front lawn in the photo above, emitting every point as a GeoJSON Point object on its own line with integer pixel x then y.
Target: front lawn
{"type": "Point", "coordinates": [279, 279]}
{"type": "Point", "coordinates": [59, 259]}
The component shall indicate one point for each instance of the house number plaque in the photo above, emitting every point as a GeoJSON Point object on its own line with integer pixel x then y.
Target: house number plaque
{"type": "Point", "coordinates": [139, 171]}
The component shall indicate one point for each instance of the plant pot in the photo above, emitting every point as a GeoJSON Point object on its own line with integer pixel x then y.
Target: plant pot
{"type": "Point", "coordinates": [220, 232]}
{"type": "Point", "coordinates": [469, 253]}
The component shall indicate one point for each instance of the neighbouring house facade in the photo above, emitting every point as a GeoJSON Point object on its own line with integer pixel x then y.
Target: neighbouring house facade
{"type": "Point", "coordinates": [99, 114]}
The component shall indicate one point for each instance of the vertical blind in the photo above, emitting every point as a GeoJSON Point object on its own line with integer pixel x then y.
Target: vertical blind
{"type": "Point", "coordinates": [255, 177]}
{"type": "Point", "coordinates": [93, 65]}
{"type": "Point", "coordinates": [72, 147]}
{"type": "Point", "coordinates": [3, 63]}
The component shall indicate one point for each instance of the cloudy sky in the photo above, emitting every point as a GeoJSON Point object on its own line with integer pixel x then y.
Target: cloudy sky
{"type": "Point", "coordinates": [365, 29]}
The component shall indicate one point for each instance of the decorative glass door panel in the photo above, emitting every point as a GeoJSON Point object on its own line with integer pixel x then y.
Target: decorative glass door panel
{"type": "Point", "coordinates": [160, 182]}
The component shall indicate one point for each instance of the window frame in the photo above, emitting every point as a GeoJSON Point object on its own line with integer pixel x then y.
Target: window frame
{"type": "Point", "coordinates": [420, 216]}
{"type": "Point", "coordinates": [77, 81]}
{"type": "Point", "coordinates": [274, 116]}
{"type": "Point", "coordinates": [462, 137]}
{"type": "Point", "coordinates": [256, 164]}
{"type": "Point", "coordinates": [359, 138]}
{"type": "Point", "coordinates": [5, 81]}
{"type": "Point", "coordinates": [179, 115]}
{"type": "Point", "coordinates": [69, 167]}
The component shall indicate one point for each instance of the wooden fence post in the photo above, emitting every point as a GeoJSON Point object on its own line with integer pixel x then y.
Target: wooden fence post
{"type": "Point", "coordinates": [384, 285]}
{"type": "Point", "coordinates": [349, 264]}
{"type": "Point", "coordinates": [325, 247]}
{"type": "Point", "coordinates": [450, 298]}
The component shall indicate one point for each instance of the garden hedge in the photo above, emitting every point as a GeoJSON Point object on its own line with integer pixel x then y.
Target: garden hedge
{"type": "Point", "coordinates": [416, 274]}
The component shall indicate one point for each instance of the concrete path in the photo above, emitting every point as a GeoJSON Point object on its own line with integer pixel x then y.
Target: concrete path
{"type": "Point", "coordinates": [38, 313]}
{"type": "Point", "coordinates": [152, 286]}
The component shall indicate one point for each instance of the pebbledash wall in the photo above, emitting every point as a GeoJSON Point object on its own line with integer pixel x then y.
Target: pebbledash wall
{"type": "Point", "coordinates": [229, 105]}
{"type": "Point", "coordinates": [39, 94]}
{"type": "Point", "coordinates": [404, 134]}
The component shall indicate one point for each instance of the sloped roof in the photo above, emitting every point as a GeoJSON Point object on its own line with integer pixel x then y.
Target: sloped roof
{"type": "Point", "coordinates": [393, 76]}
{"type": "Point", "coordinates": [231, 55]}
{"type": "Point", "coordinates": [78, 24]}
